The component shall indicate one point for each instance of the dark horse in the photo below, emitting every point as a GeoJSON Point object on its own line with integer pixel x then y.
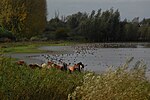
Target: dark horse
{"type": "Point", "coordinates": [34, 66]}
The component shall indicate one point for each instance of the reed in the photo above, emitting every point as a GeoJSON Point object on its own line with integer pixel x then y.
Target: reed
{"type": "Point", "coordinates": [124, 83]}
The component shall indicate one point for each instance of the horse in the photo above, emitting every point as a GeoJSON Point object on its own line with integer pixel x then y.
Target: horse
{"type": "Point", "coordinates": [80, 66]}
{"type": "Point", "coordinates": [64, 67]}
{"type": "Point", "coordinates": [59, 67]}
{"type": "Point", "coordinates": [44, 65]}
{"type": "Point", "coordinates": [47, 65]}
{"type": "Point", "coordinates": [77, 67]}
{"type": "Point", "coordinates": [50, 64]}
{"type": "Point", "coordinates": [34, 66]}
{"type": "Point", "coordinates": [21, 62]}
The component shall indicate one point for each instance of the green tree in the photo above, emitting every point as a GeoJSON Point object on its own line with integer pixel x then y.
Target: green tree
{"type": "Point", "coordinates": [11, 17]}
{"type": "Point", "coordinates": [23, 17]}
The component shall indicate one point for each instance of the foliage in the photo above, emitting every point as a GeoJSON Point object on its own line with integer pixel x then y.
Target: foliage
{"type": "Point", "coordinates": [61, 34]}
{"type": "Point", "coordinates": [23, 83]}
{"type": "Point", "coordinates": [6, 34]}
{"type": "Point", "coordinates": [23, 17]}
{"type": "Point", "coordinates": [56, 29]}
{"type": "Point", "coordinates": [27, 18]}
{"type": "Point", "coordinates": [101, 26]}
{"type": "Point", "coordinates": [124, 83]}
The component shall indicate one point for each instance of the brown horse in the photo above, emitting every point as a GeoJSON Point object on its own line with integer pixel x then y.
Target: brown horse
{"type": "Point", "coordinates": [53, 65]}
{"type": "Point", "coordinates": [59, 67]}
{"type": "Point", "coordinates": [21, 62]}
{"type": "Point", "coordinates": [79, 66]}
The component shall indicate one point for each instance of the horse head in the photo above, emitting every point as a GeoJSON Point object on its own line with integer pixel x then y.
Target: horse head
{"type": "Point", "coordinates": [80, 65]}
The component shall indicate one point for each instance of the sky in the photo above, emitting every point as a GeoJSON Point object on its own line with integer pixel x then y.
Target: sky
{"type": "Point", "coordinates": [128, 8]}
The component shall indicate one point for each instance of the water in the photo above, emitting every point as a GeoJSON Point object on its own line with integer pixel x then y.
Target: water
{"type": "Point", "coordinates": [94, 56]}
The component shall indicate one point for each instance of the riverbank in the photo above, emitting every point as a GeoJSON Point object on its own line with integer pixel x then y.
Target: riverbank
{"type": "Point", "coordinates": [30, 47]}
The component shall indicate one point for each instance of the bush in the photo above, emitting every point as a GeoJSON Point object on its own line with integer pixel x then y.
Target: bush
{"type": "Point", "coordinates": [121, 84]}
{"type": "Point", "coordinates": [34, 38]}
{"type": "Point", "coordinates": [61, 34]}
{"type": "Point", "coordinates": [5, 34]}
{"type": "Point", "coordinates": [39, 38]}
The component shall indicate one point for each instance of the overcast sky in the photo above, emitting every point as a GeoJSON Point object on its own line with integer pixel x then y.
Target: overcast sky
{"type": "Point", "coordinates": [128, 8]}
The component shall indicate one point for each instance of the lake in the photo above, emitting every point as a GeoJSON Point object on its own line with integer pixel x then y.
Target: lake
{"type": "Point", "coordinates": [96, 56]}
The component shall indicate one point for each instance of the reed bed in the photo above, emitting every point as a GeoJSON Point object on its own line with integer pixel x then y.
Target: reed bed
{"type": "Point", "coordinates": [123, 83]}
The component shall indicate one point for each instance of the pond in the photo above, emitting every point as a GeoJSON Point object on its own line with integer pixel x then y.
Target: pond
{"type": "Point", "coordinates": [96, 56]}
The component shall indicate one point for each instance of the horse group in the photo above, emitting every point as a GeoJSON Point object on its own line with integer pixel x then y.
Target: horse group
{"type": "Point", "coordinates": [63, 66]}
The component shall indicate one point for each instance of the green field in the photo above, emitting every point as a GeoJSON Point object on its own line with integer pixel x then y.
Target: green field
{"type": "Point", "coordinates": [29, 47]}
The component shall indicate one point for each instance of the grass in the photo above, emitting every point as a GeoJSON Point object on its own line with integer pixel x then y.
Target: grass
{"type": "Point", "coordinates": [29, 47]}
{"type": "Point", "coordinates": [23, 83]}
{"type": "Point", "coordinates": [22, 49]}
{"type": "Point", "coordinates": [124, 83]}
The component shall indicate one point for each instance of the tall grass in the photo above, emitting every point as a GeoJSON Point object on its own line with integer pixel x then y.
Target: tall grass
{"type": "Point", "coordinates": [23, 83]}
{"type": "Point", "coordinates": [124, 83]}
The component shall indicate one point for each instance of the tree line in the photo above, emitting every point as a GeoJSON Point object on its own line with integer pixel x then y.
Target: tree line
{"type": "Point", "coordinates": [27, 19]}
{"type": "Point", "coordinates": [99, 26]}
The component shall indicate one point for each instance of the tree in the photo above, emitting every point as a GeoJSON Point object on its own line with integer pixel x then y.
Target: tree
{"type": "Point", "coordinates": [11, 17]}
{"type": "Point", "coordinates": [23, 17]}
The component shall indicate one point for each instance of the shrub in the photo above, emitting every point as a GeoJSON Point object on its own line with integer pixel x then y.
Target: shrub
{"type": "Point", "coordinates": [61, 34]}
{"type": "Point", "coordinates": [5, 34]}
{"type": "Point", "coordinates": [34, 38]}
{"type": "Point", "coordinates": [123, 83]}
